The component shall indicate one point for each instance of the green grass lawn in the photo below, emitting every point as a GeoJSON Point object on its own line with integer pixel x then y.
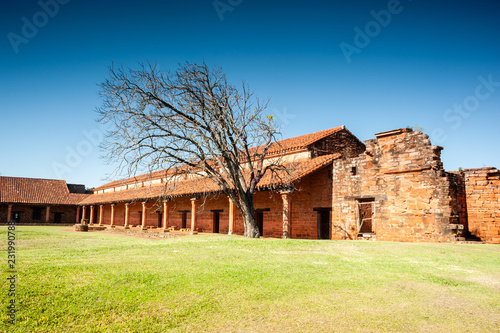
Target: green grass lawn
{"type": "Point", "coordinates": [100, 282]}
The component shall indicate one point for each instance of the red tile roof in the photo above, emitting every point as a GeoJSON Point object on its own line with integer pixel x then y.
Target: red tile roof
{"type": "Point", "coordinates": [199, 186]}
{"type": "Point", "coordinates": [133, 180]}
{"type": "Point", "coordinates": [298, 142]}
{"type": "Point", "coordinates": [37, 191]}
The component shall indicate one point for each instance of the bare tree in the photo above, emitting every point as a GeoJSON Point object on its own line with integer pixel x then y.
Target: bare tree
{"type": "Point", "coordinates": [191, 120]}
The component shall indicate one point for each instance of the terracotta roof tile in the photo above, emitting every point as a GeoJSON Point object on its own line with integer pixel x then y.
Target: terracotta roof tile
{"type": "Point", "coordinates": [199, 186]}
{"type": "Point", "coordinates": [37, 191]}
{"type": "Point", "coordinates": [133, 180]}
{"type": "Point", "coordinates": [298, 142]}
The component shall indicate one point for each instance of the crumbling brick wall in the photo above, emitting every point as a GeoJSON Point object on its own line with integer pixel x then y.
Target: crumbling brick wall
{"type": "Point", "coordinates": [402, 174]}
{"type": "Point", "coordinates": [482, 188]}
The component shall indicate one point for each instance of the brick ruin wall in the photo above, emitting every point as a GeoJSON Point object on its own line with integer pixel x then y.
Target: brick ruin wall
{"type": "Point", "coordinates": [413, 198]}
{"type": "Point", "coordinates": [482, 187]}
{"type": "Point", "coordinates": [458, 203]}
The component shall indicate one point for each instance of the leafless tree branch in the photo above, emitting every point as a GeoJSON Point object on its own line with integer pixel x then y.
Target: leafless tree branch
{"type": "Point", "coordinates": [191, 118]}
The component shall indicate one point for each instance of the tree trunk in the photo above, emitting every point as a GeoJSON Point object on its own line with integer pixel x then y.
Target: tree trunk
{"type": "Point", "coordinates": [247, 211]}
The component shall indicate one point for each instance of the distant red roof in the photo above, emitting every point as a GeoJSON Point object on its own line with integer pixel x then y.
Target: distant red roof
{"type": "Point", "coordinates": [199, 186]}
{"type": "Point", "coordinates": [133, 180]}
{"type": "Point", "coordinates": [284, 146]}
{"type": "Point", "coordinates": [37, 191]}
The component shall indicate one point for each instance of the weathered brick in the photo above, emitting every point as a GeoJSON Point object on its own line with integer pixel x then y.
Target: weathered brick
{"type": "Point", "coordinates": [481, 187]}
{"type": "Point", "coordinates": [403, 174]}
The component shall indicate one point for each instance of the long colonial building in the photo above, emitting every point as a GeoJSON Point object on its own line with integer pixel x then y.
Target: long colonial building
{"type": "Point", "coordinates": [393, 187]}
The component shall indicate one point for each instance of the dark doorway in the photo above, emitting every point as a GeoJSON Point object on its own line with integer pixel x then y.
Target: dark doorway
{"type": "Point", "coordinates": [160, 217]}
{"type": "Point", "coordinates": [324, 231]}
{"type": "Point", "coordinates": [184, 219]}
{"type": "Point", "coordinates": [216, 220]}
{"type": "Point", "coordinates": [57, 217]}
{"type": "Point", "coordinates": [37, 213]}
{"type": "Point", "coordinates": [16, 216]}
{"type": "Point", "coordinates": [140, 217]}
{"type": "Point", "coordinates": [259, 219]}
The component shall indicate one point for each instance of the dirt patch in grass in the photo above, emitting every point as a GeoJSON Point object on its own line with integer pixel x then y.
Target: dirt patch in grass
{"type": "Point", "coordinates": [142, 234]}
{"type": "Point", "coordinates": [146, 234]}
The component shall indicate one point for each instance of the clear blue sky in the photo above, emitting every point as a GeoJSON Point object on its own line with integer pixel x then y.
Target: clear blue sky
{"type": "Point", "coordinates": [435, 64]}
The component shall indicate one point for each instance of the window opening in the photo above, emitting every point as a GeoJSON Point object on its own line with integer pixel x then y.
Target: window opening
{"type": "Point", "coordinates": [366, 216]}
